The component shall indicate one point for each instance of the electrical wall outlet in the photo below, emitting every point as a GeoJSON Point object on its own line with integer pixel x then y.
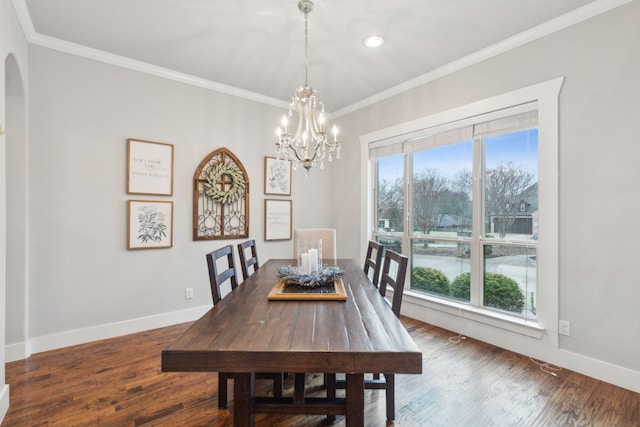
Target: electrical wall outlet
{"type": "Point", "coordinates": [564, 328]}
{"type": "Point", "coordinates": [188, 293]}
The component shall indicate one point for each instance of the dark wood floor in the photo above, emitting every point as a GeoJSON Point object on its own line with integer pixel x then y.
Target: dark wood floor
{"type": "Point", "coordinates": [118, 382]}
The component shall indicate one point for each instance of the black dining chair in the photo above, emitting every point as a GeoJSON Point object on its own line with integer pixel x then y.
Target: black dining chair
{"type": "Point", "coordinates": [373, 261]}
{"type": "Point", "coordinates": [222, 268]}
{"type": "Point", "coordinates": [248, 257]}
{"type": "Point", "coordinates": [392, 276]}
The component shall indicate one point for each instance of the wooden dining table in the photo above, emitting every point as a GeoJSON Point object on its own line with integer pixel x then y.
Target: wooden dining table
{"type": "Point", "coordinates": [247, 333]}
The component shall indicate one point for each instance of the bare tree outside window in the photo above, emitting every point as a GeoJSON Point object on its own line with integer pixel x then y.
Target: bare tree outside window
{"type": "Point", "coordinates": [505, 185]}
{"type": "Point", "coordinates": [429, 199]}
{"type": "Point", "coordinates": [390, 204]}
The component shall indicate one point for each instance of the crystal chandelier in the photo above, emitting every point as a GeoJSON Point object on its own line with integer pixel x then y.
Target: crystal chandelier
{"type": "Point", "coordinates": [310, 144]}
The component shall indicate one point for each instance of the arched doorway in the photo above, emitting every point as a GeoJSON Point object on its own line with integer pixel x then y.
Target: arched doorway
{"type": "Point", "coordinates": [16, 178]}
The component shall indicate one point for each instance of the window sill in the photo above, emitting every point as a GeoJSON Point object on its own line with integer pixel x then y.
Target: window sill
{"type": "Point", "coordinates": [527, 327]}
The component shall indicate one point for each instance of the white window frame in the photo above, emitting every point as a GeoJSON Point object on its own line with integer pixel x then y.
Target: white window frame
{"type": "Point", "coordinates": [489, 325]}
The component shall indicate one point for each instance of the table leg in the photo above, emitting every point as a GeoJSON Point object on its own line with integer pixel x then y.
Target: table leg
{"type": "Point", "coordinates": [243, 394]}
{"type": "Point", "coordinates": [355, 400]}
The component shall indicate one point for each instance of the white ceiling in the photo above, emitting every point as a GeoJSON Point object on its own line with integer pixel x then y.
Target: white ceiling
{"type": "Point", "coordinates": [258, 45]}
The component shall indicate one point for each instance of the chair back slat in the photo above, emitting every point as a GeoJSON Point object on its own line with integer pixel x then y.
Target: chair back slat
{"type": "Point", "coordinates": [373, 261]}
{"type": "Point", "coordinates": [218, 274]}
{"type": "Point", "coordinates": [394, 278]}
{"type": "Point", "coordinates": [248, 260]}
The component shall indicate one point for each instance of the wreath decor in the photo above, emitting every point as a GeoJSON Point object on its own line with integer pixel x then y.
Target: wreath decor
{"type": "Point", "coordinates": [237, 183]}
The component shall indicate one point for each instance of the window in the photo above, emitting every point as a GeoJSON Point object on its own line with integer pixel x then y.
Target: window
{"type": "Point", "coordinates": [456, 224]}
{"type": "Point", "coordinates": [459, 193]}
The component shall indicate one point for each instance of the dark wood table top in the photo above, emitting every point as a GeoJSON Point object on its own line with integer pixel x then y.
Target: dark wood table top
{"type": "Point", "coordinates": [246, 332]}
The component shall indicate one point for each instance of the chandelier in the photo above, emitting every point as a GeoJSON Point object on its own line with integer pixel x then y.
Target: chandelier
{"type": "Point", "coordinates": [310, 144]}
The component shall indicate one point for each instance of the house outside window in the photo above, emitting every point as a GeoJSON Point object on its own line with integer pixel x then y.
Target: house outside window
{"type": "Point", "coordinates": [471, 194]}
{"type": "Point", "coordinates": [458, 223]}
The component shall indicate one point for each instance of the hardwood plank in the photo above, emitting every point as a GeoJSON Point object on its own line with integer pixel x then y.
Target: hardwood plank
{"type": "Point", "coordinates": [118, 382]}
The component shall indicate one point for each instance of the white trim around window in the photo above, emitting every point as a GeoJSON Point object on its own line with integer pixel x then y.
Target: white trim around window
{"type": "Point", "coordinates": [488, 325]}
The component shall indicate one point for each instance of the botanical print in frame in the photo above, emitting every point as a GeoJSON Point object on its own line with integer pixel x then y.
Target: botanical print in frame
{"type": "Point", "coordinates": [277, 219]}
{"type": "Point", "coordinates": [150, 224]}
{"type": "Point", "coordinates": [277, 176]}
{"type": "Point", "coordinates": [149, 168]}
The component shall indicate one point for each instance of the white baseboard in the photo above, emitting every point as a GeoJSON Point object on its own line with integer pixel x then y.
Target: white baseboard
{"type": "Point", "coordinates": [518, 343]}
{"type": "Point", "coordinates": [4, 401]}
{"type": "Point", "coordinates": [16, 351]}
{"type": "Point", "coordinates": [603, 371]}
{"type": "Point", "coordinates": [20, 351]}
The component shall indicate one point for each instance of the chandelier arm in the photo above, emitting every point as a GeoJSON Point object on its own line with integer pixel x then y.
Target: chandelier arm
{"type": "Point", "coordinates": [315, 153]}
{"type": "Point", "coordinates": [296, 155]}
{"type": "Point", "coordinates": [313, 125]}
{"type": "Point", "coordinates": [296, 136]}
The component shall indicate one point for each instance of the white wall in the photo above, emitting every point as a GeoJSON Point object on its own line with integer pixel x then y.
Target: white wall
{"type": "Point", "coordinates": [83, 282]}
{"type": "Point", "coordinates": [599, 128]}
{"type": "Point", "coordinates": [13, 69]}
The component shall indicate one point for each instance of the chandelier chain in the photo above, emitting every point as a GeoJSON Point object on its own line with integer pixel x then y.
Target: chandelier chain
{"type": "Point", "coordinates": [306, 49]}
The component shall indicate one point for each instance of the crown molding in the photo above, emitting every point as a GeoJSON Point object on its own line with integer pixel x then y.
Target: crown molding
{"type": "Point", "coordinates": [549, 27]}
{"type": "Point", "coordinates": [143, 67]}
{"type": "Point", "coordinates": [38, 39]}
{"type": "Point", "coordinates": [574, 17]}
{"type": "Point", "coordinates": [25, 19]}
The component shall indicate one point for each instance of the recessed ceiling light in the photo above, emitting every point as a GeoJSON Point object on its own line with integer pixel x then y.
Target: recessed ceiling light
{"type": "Point", "coordinates": [373, 41]}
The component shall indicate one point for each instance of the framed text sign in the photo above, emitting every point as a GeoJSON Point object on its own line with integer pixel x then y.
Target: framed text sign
{"type": "Point", "coordinates": [150, 168]}
{"type": "Point", "coordinates": [277, 219]}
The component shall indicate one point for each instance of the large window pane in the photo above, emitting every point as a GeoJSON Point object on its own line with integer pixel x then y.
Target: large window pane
{"type": "Point", "coordinates": [441, 189]}
{"type": "Point", "coordinates": [441, 268]}
{"type": "Point", "coordinates": [469, 240]}
{"type": "Point", "coordinates": [510, 275]}
{"type": "Point", "coordinates": [511, 186]}
{"type": "Point", "coordinates": [390, 194]}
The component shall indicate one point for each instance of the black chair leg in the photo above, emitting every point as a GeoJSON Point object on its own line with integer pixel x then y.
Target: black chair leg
{"type": "Point", "coordinates": [330, 384]}
{"type": "Point", "coordinates": [222, 390]}
{"type": "Point", "coordinates": [278, 385]}
{"type": "Point", "coordinates": [298, 388]}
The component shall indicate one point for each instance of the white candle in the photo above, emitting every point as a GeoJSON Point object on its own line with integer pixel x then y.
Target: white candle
{"type": "Point", "coordinates": [313, 260]}
{"type": "Point", "coordinates": [305, 263]}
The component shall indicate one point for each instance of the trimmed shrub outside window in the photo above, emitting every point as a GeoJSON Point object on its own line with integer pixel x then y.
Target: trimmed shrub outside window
{"type": "Point", "coordinates": [500, 291]}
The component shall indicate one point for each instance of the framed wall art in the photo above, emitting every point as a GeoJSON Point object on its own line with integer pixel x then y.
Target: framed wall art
{"type": "Point", "coordinates": [149, 168]}
{"type": "Point", "coordinates": [277, 176]}
{"type": "Point", "coordinates": [277, 219]}
{"type": "Point", "coordinates": [150, 224]}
